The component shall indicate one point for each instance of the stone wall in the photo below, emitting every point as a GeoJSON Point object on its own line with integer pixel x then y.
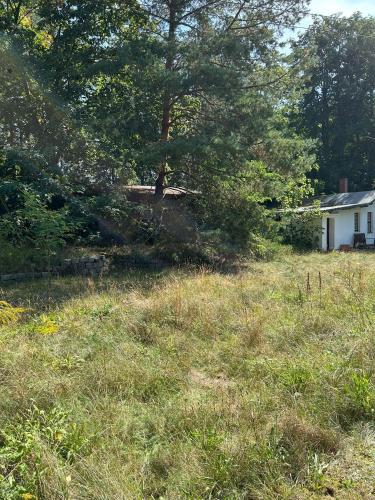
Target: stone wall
{"type": "Point", "coordinates": [83, 266]}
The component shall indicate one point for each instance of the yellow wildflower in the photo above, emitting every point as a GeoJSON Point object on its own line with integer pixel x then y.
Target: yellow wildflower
{"type": "Point", "coordinates": [9, 314]}
{"type": "Point", "coordinates": [46, 326]}
{"type": "Point", "coordinates": [28, 496]}
{"type": "Point", "coordinates": [58, 436]}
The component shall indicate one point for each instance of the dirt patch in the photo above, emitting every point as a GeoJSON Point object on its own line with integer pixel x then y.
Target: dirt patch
{"type": "Point", "coordinates": [204, 380]}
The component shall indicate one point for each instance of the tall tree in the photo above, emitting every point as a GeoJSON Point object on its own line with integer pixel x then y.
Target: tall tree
{"type": "Point", "coordinates": [183, 91]}
{"type": "Point", "coordinates": [218, 58]}
{"type": "Point", "coordinates": [48, 50]}
{"type": "Point", "coordinates": [339, 103]}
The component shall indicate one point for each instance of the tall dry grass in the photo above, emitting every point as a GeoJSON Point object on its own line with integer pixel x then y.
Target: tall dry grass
{"type": "Point", "coordinates": [193, 384]}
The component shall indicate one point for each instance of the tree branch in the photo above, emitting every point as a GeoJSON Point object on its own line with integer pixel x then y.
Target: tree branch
{"type": "Point", "coordinates": [236, 15]}
{"type": "Point", "coordinates": [166, 20]}
{"type": "Point", "coordinates": [198, 9]}
{"type": "Point", "coordinates": [275, 80]}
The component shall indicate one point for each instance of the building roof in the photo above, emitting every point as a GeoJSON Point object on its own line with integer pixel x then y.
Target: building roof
{"type": "Point", "coordinates": [341, 201]}
{"type": "Point", "coordinates": [145, 194]}
{"type": "Point", "coordinates": [167, 191]}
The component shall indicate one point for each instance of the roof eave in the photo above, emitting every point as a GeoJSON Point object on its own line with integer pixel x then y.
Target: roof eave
{"type": "Point", "coordinates": [334, 207]}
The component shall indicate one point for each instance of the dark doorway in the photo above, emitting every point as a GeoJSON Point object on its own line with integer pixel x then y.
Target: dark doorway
{"type": "Point", "coordinates": [330, 233]}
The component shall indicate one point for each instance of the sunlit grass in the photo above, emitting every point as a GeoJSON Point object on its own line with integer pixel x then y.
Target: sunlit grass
{"type": "Point", "coordinates": [193, 384]}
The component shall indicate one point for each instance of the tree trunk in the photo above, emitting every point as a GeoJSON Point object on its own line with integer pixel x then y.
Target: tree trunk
{"type": "Point", "coordinates": [164, 137]}
{"type": "Point", "coordinates": [167, 102]}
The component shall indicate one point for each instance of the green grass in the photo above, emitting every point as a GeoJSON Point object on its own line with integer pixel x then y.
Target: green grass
{"type": "Point", "coordinates": [192, 384]}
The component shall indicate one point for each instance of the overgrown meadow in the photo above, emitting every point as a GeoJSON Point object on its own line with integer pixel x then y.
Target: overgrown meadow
{"type": "Point", "coordinates": [192, 384]}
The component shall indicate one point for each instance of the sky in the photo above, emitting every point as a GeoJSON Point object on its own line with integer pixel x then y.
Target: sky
{"type": "Point", "coordinates": [346, 7]}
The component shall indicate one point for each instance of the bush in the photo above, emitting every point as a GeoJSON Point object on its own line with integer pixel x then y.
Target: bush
{"type": "Point", "coordinates": [9, 314]}
{"type": "Point", "coordinates": [35, 226]}
{"type": "Point", "coordinates": [302, 230]}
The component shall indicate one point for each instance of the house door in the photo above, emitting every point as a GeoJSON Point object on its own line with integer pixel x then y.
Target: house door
{"type": "Point", "coordinates": [330, 233]}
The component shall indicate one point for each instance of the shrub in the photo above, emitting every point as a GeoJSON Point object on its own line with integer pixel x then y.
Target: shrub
{"type": "Point", "coordinates": [302, 230]}
{"type": "Point", "coordinates": [36, 226]}
{"type": "Point", "coordinates": [14, 259]}
{"type": "Point", "coordinates": [9, 314]}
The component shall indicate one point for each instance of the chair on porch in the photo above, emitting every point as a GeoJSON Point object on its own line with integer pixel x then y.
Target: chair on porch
{"type": "Point", "coordinates": [359, 240]}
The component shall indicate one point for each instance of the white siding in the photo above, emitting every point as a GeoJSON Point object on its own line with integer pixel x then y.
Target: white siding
{"type": "Point", "coordinates": [323, 235]}
{"type": "Point", "coordinates": [344, 226]}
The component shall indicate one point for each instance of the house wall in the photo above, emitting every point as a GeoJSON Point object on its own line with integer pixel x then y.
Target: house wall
{"type": "Point", "coordinates": [323, 235]}
{"type": "Point", "coordinates": [344, 226]}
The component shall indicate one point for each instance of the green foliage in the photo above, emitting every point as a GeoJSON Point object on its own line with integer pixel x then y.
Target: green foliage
{"type": "Point", "coordinates": [302, 229]}
{"type": "Point", "coordinates": [360, 397]}
{"type": "Point", "coordinates": [119, 221]}
{"type": "Point", "coordinates": [295, 378]}
{"type": "Point", "coordinates": [34, 224]}
{"type": "Point", "coordinates": [337, 107]}
{"type": "Point", "coordinates": [9, 314]}
{"type": "Point", "coordinates": [22, 446]}
{"type": "Point", "coordinates": [87, 89]}
{"type": "Point", "coordinates": [47, 52]}
{"type": "Point", "coordinates": [18, 259]}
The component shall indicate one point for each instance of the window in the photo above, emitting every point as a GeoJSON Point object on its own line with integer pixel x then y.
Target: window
{"type": "Point", "coordinates": [369, 222]}
{"type": "Point", "coordinates": [356, 222]}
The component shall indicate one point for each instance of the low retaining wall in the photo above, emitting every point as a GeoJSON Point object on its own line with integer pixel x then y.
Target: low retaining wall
{"type": "Point", "coordinates": [84, 266]}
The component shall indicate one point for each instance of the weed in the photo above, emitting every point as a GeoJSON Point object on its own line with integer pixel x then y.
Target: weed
{"type": "Point", "coordinates": [45, 325]}
{"type": "Point", "coordinates": [22, 444]}
{"type": "Point", "coordinates": [295, 378]}
{"type": "Point", "coordinates": [10, 314]}
{"type": "Point", "coordinates": [101, 312]}
{"type": "Point", "coordinates": [359, 397]}
{"type": "Point", "coordinates": [316, 470]}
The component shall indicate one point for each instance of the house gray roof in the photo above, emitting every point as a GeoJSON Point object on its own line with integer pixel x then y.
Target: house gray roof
{"type": "Point", "coordinates": [341, 201]}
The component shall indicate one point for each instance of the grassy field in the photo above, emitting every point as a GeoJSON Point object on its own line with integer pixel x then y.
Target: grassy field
{"type": "Point", "coordinates": [179, 384]}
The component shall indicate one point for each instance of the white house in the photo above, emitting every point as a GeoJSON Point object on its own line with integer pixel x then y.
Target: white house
{"type": "Point", "coordinates": [347, 219]}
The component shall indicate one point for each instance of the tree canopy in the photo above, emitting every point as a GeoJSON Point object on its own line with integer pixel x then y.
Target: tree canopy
{"type": "Point", "coordinates": [96, 95]}
{"type": "Point", "coordinates": [338, 105]}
